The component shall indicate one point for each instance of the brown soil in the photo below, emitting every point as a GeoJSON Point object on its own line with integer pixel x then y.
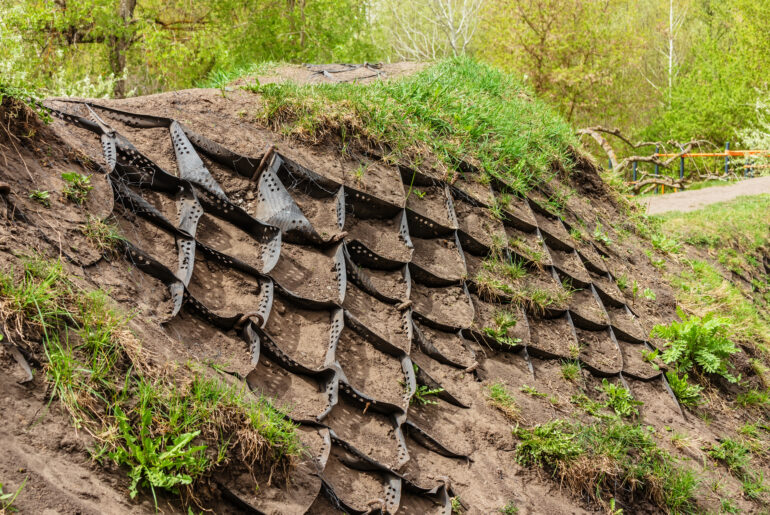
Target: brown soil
{"type": "Point", "coordinates": [528, 245]}
{"type": "Point", "coordinates": [320, 212]}
{"type": "Point", "coordinates": [369, 370]}
{"type": "Point", "coordinates": [383, 319]}
{"type": "Point", "coordinates": [553, 337]}
{"type": "Point", "coordinates": [297, 395]}
{"type": "Point", "coordinates": [230, 240]}
{"type": "Point", "coordinates": [469, 184]}
{"type": "Point", "coordinates": [225, 291]}
{"type": "Point", "coordinates": [599, 351]}
{"type": "Point", "coordinates": [519, 208]}
{"type": "Point", "coordinates": [381, 236]}
{"type": "Point", "coordinates": [302, 334]}
{"type": "Point", "coordinates": [376, 179]}
{"type": "Point", "coordinates": [439, 256]}
{"type": "Point", "coordinates": [307, 272]}
{"type": "Point", "coordinates": [388, 282]}
{"type": "Point", "coordinates": [570, 263]}
{"type": "Point", "coordinates": [626, 322]}
{"type": "Point", "coordinates": [584, 304]}
{"type": "Point", "coordinates": [478, 223]}
{"type": "Point", "coordinates": [313, 74]}
{"type": "Point", "coordinates": [370, 433]}
{"type": "Point", "coordinates": [433, 204]}
{"type": "Point", "coordinates": [555, 228]}
{"type": "Point", "coordinates": [634, 363]}
{"type": "Point", "coordinates": [485, 313]}
{"type": "Point", "coordinates": [449, 306]}
{"type": "Point", "coordinates": [451, 345]}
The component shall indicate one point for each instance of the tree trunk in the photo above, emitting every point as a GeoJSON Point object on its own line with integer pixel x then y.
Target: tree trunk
{"type": "Point", "coordinates": [119, 44]}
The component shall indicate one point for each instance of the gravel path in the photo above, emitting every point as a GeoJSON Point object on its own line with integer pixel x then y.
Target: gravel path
{"type": "Point", "coordinates": [691, 200]}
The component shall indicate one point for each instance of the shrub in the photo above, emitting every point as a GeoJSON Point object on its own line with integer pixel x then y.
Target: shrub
{"type": "Point", "coordinates": [700, 342]}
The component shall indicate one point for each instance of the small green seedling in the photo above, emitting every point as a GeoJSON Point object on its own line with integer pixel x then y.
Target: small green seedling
{"type": "Point", "coordinates": [77, 187]}
{"type": "Point", "coordinates": [41, 196]}
{"type": "Point", "coordinates": [649, 294]}
{"type": "Point", "coordinates": [423, 394]}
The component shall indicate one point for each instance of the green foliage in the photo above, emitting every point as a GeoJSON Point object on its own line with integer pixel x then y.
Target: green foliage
{"type": "Point", "coordinates": [601, 236]}
{"type": "Point", "coordinates": [753, 398]}
{"type": "Point", "coordinates": [158, 462]}
{"type": "Point", "coordinates": [731, 229]}
{"type": "Point", "coordinates": [688, 394]}
{"type": "Point", "coordinates": [649, 294]}
{"type": "Point", "coordinates": [702, 288]}
{"type": "Point", "coordinates": [592, 459]}
{"type": "Point", "coordinates": [499, 396]}
{"type": "Point", "coordinates": [732, 453]}
{"type": "Point", "coordinates": [7, 499]}
{"type": "Point", "coordinates": [504, 320]}
{"type": "Point", "coordinates": [41, 196]}
{"type": "Point", "coordinates": [76, 188]}
{"type": "Point", "coordinates": [104, 235]}
{"type": "Point", "coordinates": [619, 398]}
{"type": "Point", "coordinates": [665, 244]}
{"type": "Point", "coordinates": [570, 370]}
{"type": "Point", "coordinates": [509, 509]}
{"type": "Point", "coordinates": [422, 395]}
{"type": "Point", "coordinates": [96, 369]}
{"type": "Point", "coordinates": [736, 456]}
{"type": "Point", "coordinates": [700, 342]}
{"type": "Point", "coordinates": [435, 102]}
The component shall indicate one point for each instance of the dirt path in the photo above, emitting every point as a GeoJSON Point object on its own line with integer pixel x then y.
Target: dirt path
{"type": "Point", "coordinates": [692, 200]}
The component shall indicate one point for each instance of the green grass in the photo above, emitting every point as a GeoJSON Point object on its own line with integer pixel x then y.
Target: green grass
{"type": "Point", "coordinates": [104, 235]}
{"type": "Point", "coordinates": [168, 432]}
{"type": "Point", "coordinates": [725, 225]}
{"type": "Point", "coordinates": [455, 110]}
{"type": "Point", "coordinates": [702, 289]}
{"type": "Point", "coordinates": [736, 456]}
{"type": "Point", "coordinates": [752, 398]}
{"type": "Point", "coordinates": [41, 196]}
{"type": "Point", "coordinates": [688, 394]}
{"type": "Point", "coordinates": [570, 370]}
{"type": "Point", "coordinates": [619, 399]}
{"type": "Point", "coordinates": [504, 320]}
{"type": "Point", "coordinates": [76, 187]}
{"type": "Point", "coordinates": [607, 459]}
{"type": "Point", "coordinates": [8, 498]}
{"type": "Point", "coordinates": [501, 398]}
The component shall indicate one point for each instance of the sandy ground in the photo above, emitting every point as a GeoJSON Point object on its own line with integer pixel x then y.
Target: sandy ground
{"type": "Point", "coordinates": [692, 200]}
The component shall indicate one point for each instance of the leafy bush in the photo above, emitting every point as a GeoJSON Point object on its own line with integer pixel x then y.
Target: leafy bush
{"type": "Point", "coordinates": [698, 341]}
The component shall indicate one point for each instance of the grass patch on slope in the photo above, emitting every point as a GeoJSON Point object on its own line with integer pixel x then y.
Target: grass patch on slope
{"type": "Point", "coordinates": [733, 231]}
{"type": "Point", "coordinates": [457, 109]}
{"type": "Point", "coordinates": [606, 460]}
{"type": "Point", "coordinates": [168, 431]}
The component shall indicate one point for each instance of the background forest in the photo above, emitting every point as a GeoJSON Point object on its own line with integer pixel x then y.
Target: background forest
{"type": "Point", "coordinates": [657, 69]}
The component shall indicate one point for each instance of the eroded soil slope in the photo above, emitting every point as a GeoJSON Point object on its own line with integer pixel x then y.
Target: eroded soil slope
{"type": "Point", "coordinates": [344, 296]}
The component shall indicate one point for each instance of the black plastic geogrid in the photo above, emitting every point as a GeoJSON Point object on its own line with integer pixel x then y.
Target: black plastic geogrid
{"type": "Point", "coordinates": [598, 322]}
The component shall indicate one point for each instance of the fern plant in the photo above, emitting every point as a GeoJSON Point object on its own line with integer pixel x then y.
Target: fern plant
{"type": "Point", "coordinates": [700, 342]}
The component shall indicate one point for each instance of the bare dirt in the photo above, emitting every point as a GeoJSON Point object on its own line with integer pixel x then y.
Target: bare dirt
{"type": "Point", "coordinates": [52, 453]}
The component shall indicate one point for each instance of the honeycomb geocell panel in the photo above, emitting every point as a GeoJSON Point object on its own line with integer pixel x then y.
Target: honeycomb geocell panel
{"type": "Point", "coordinates": [356, 288]}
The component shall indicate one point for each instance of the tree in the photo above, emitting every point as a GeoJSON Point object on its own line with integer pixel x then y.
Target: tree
{"type": "Point", "coordinates": [428, 30]}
